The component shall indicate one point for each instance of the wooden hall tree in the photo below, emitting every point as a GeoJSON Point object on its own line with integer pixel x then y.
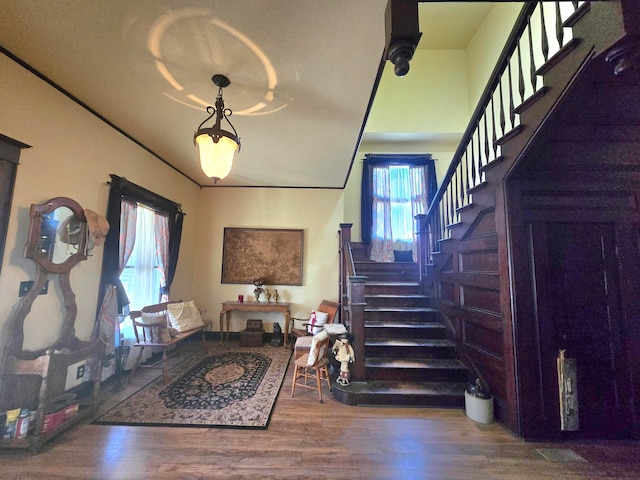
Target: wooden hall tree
{"type": "Point", "coordinates": [36, 380]}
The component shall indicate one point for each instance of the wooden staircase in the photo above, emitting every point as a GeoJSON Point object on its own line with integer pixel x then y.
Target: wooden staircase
{"type": "Point", "coordinates": [536, 149]}
{"type": "Point", "coordinates": [409, 360]}
{"type": "Point", "coordinates": [562, 137]}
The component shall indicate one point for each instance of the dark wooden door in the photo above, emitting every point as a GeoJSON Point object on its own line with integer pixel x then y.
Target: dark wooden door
{"type": "Point", "coordinates": [579, 309]}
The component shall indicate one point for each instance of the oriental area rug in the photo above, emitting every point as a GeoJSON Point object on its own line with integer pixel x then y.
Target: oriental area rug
{"type": "Point", "coordinates": [220, 386]}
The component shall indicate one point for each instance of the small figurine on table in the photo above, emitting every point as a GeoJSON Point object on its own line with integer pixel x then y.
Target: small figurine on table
{"type": "Point", "coordinates": [343, 353]}
{"type": "Point", "coordinates": [267, 294]}
{"type": "Point", "coordinates": [275, 295]}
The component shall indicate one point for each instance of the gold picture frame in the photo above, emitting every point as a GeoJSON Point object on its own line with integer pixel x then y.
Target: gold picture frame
{"type": "Point", "coordinates": [274, 255]}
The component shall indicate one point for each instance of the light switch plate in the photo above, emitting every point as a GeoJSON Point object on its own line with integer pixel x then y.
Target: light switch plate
{"type": "Point", "coordinates": [26, 286]}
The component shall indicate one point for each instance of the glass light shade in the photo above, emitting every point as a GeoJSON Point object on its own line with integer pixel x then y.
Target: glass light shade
{"type": "Point", "coordinates": [216, 158]}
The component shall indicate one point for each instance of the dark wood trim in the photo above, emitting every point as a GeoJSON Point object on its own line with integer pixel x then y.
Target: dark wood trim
{"type": "Point", "coordinates": [10, 150]}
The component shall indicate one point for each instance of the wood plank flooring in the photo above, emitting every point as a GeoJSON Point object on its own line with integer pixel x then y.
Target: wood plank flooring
{"type": "Point", "coordinates": [309, 440]}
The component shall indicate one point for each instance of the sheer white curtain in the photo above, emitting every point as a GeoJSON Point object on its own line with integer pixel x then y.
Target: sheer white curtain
{"type": "Point", "coordinates": [141, 288]}
{"type": "Point", "coordinates": [398, 194]}
{"type": "Point", "coordinates": [141, 278]}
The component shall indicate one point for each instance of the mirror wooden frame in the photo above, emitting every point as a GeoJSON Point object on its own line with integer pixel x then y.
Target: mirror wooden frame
{"type": "Point", "coordinates": [33, 248]}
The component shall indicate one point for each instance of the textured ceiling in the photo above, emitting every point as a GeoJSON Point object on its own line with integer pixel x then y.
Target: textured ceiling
{"type": "Point", "coordinates": [302, 73]}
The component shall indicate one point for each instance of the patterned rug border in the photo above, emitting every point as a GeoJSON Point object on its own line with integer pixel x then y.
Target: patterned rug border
{"type": "Point", "coordinates": [272, 383]}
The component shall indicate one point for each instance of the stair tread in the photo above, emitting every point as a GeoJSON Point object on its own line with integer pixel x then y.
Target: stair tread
{"type": "Point", "coordinates": [408, 342]}
{"type": "Point", "coordinates": [410, 388]}
{"type": "Point", "coordinates": [411, 363]}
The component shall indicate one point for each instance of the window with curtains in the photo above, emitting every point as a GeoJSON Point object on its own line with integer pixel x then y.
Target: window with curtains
{"type": "Point", "coordinates": [398, 195]}
{"type": "Point", "coordinates": [142, 277]}
{"type": "Point", "coordinates": [395, 189]}
{"type": "Point", "coordinates": [144, 235]}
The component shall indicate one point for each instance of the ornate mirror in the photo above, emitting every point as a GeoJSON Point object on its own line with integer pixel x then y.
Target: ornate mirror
{"type": "Point", "coordinates": [57, 235]}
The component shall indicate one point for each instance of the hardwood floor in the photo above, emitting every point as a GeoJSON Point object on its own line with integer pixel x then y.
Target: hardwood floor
{"type": "Point", "coordinates": [306, 439]}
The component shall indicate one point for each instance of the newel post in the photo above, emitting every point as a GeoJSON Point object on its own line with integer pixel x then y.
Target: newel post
{"type": "Point", "coordinates": [357, 304]}
{"type": "Point", "coordinates": [344, 235]}
{"type": "Point", "coordinates": [422, 239]}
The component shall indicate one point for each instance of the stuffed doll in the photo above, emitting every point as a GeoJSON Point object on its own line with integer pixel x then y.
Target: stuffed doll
{"type": "Point", "coordinates": [343, 353]}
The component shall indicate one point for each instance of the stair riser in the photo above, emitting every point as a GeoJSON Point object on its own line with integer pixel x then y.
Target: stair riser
{"type": "Point", "coordinates": [395, 332]}
{"type": "Point", "coordinates": [391, 277]}
{"type": "Point", "coordinates": [391, 289]}
{"type": "Point", "coordinates": [363, 268]}
{"type": "Point", "coordinates": [397, 301]}
{"type": "Point", "coordinates": [410, 352]}
{"type": "Point", "coordinates": [359, 252]}
{"type": "Point", "coordinates": [433, 401]}
{"type": "Point", "coordinates": [400, 316]}
{"type": "Point", "coordinates": [400, 274]}
{"type": "Point", "coordinates": [416, 374]}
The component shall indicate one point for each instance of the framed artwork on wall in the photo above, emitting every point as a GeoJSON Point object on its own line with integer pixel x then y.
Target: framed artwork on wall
{"type": "Point", "coordinates": [274, 255]}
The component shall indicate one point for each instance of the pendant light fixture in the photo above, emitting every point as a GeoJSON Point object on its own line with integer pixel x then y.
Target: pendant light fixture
{"type": "Point", "coordinates": [217, 147]}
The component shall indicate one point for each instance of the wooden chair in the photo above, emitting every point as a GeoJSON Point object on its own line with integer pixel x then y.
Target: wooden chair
{"type": "Point", "coordinates": [313, 365]}
{"type": "Point", "coordinates": [326, 306]}
{"type": "Point", "coordinates": [155, 334]}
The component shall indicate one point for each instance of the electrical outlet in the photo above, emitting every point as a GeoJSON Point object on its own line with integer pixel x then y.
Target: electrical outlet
{"type": "Point", "coordinates": [80, 372]}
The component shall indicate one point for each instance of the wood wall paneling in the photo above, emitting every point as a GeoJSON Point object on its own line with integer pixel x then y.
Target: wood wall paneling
{"type": "Point", "coordinates": [486, 299]}
{"type": "Point", "coordinates": [447, 292]}
{"type": "Point", "coordinates": [484, 224]}
{"type": "Point", "coordinates": [479, 338]}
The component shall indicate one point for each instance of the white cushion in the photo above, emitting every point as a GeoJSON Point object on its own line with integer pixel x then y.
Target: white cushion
{"type": "Point", "coordinates": [302, 346]}
{"type": "Point", "coordinates": [153, 318]}
{"type": "Point", "coordinates": [335, 329]}
{"type": "Point", "coordinates": [312, 358]}
{"type": "Point", "coordinates": [317, 321]}
{"type": "Point", "coordinates": [157, 332]}
{"type": "Point", "coordinates": [184, 316]}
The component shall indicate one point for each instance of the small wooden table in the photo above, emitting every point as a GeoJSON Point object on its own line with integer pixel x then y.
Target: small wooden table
{"type": "Point", "coordinates": [284, 308]}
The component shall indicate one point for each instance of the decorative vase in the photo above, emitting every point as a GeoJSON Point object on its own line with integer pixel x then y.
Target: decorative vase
{"type": "Point", "coordinates": [257, 292]}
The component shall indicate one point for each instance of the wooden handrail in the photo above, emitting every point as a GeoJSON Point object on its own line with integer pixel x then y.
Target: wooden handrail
{"type": "Point", "coordinates": [514, 80]}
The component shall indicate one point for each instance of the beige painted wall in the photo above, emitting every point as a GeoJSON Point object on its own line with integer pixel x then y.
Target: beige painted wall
{"type": "Point", "coordinates": [485, 47]}
{"type": "Point", "coordinates": [317, 212]}
{"type": "Point", "coordinates": [72, 155]}
{"type": "Point", "coordinates": [437, 96]}
{"type": "Point", "coordinates": [432, 97]}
